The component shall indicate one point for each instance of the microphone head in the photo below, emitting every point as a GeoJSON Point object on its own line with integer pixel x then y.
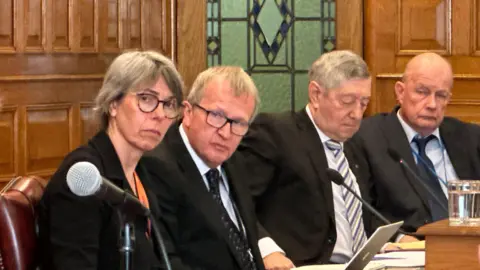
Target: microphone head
{"type": "Point", "coordinates": [335, 176]}
{"type": "Point", "coordinates": [394, 154]}
{"type": "Point", "coordinates": [84, 179]}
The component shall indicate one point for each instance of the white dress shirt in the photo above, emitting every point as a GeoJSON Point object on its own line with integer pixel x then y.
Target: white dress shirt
{"type": "Point", "coordinates": [435, 151]}
{"type": "Point", "coordinates": [342, 250]}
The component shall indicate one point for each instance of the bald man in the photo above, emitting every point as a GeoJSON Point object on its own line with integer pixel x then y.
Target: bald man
{"type": "Point", "coordinates": [436, 147]}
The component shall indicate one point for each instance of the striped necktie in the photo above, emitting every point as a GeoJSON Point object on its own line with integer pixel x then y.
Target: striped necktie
{"type": "Point", "coordinates": [353, 205]}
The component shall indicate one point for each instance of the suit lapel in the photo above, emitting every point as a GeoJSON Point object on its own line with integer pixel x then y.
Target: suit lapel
{"type": "Point", "coordinates": [397, 140]}
{"type": "Point", "coordinates": [197, 190]}
{"type": "Point", "coordinates": [456, 150]}
{"type": "Point", "coordinates": [312, 144]}
{"type": "Point", "coordinates": [239, 195]}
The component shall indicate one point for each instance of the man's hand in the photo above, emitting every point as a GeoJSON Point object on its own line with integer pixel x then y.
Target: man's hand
{"type": "Point", "coordinates": [407, 238]}
{"type": "Point", "coordinates": [277, 261]}
{"type": "Point", "coordinates": [390, 247]}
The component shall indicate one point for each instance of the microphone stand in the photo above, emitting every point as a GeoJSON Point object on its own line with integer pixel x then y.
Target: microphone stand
{"type": "Point", "coordinates": [127, 241]}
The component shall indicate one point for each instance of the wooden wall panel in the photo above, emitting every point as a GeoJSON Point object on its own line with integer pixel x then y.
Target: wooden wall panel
{"type": "Point", "coordinates": [88, 122]}
{"type": "Point", "coordinates": [54, 55]}
{"type": "Point", "coordinates": [34, 26]}
{"type": "Point", "coordinates": [108, 31]}
{"type": "Point", "coordinates": [6, 27]}
{"type": "Point", "coordinates": [160, 27]}
{"type": "Point", "coordinates": [8, 141]}
{"type": "Point", "coordinates": [85, 25]}
{"type": "Point", "coordinates": [395, 31]}
{"type": "Point", "coordinates": [423, 25]}
{"type": "Point", "coordinates": [58, 22]}
{"type": "Point", "coordinates": [191, 42]}
{"type": "Point", "coordinates": [349, 25]}
{"type": "Point", "coordinates": [134, 21]}
{"type": "Point", "coordinates": [475, 27]}
{"type": "Point", "coordinates": [47, 137]}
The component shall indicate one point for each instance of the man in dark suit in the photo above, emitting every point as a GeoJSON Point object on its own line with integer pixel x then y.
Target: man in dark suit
{"type": "Point", "coordinates": [304, 218]}
{"type": "Point", "coordinates": [207, 212]}
{"type": "Point", "coordinates": [439, 148]}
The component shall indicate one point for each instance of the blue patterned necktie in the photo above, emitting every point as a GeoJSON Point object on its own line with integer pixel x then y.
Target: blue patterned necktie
{"type": "Point", "coordinates": [425, 166]}
{"type": "Point", "coordinates": [236, 237]}
{"type": "Point", "coordinates": [352, 204]}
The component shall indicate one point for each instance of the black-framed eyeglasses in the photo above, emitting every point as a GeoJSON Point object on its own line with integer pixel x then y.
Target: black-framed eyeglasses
{"type": "Point", "coordinates": [148, 103]}
{"type": "Point", "coordinates": [218, 120]}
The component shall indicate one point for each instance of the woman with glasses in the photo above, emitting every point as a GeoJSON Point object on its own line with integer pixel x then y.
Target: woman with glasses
{"type": "Point", "coordinates": [137, 103]}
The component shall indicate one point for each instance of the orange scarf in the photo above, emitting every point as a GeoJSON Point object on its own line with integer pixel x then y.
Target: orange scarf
{"type": "Point", "coordinates": [142, 197]}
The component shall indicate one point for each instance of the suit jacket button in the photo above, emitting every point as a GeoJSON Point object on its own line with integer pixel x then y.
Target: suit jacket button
{"type": "Point", "coordinates": [426, 221]}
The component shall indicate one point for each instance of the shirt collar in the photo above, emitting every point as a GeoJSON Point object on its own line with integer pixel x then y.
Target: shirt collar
{"type": "Point", "coordinates": [410, 132]}
{"type": "Point", "coordinates": [322, 135]}
{"type": "Point", "coordinates": [201, 165]}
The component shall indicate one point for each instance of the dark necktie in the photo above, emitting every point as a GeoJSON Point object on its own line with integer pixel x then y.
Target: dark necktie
{"type": "Point", "coordinates": [236, 237]}
{"type": "Point", "coordinates": [425, 166]}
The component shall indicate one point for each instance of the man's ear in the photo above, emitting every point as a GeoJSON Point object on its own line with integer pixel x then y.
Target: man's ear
{"type": "Point", "coordinates": [187, 113]}
{"type": "Point", "coordinates": [399, 91]}
{"type": "Point", "coordinates": [315, 93]}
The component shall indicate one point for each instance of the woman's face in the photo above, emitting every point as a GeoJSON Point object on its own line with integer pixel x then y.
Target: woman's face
{"type": "Point", "coordinates": [136, 120]}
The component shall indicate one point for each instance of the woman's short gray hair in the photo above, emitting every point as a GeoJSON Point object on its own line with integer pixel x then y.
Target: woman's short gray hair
{"type": "Point", "coordinates": [239, 80]}
{"type": "Point", "coordinates": [336, 67]}
{"type": "Point", "coordinates": [131, 70]}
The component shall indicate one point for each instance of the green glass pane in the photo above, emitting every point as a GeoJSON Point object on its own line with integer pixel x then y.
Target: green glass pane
{"type": "Point", "coordinates": [234, 43]}
{"type": "Point", "coordinates": [332, 29]}
{"type": "Point", "coordinates": [210, 61]}
{"type": "Point", "coordinates": [209, 10]}
{"type": "Point", "coordinates": [308, 43]}
{"type": "Point", "coordinates": [326, 9]}
{"type": "Point", "coordinates": [251, 45]}
{"type": "Point", "coordinates": [280, 58]}
{"type": "Point", "coordinates": [270, 20]}
{"type": "Point", "coordinates": [215, 28]}
{"type": "Point", "coordinates": [215, 10]}
{"type": "Point", "coordinates": [332, 10]}
{"type": "Point", "coordinates": [209, 29]}
{"type": "Point", "coordinates": [307, 8]}
{"type": "Point", "coordinates": [234, 9]}
{"type": "Point", "coordinates": [301, 90]}
{"type": "Point", "coordinates": [259, 55]}
{"type": "Point", "coordinates": [274, 90]}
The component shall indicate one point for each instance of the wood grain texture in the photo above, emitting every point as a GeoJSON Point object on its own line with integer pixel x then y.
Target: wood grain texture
{"type": "Point", "coordinates": [54, 55]}
{"type": "Point", "coordinates": [349, 23]}
{"type": "Point", "coordinates": [449, 247]}
{"type": "Point", "coordinates": [191, 53]}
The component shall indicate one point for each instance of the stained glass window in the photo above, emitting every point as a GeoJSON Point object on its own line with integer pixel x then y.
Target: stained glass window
{"type": "Point", "coordinates": [275, 41]}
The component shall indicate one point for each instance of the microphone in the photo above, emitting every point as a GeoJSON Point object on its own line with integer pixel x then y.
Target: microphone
{"type": "Point", "coordinates": [396, 156]}
{"type": "Point", "coordinates": [430, 169]}
{"type": "Point", "coordinates": [84, 179]}
{"type": "Point", "coordinates": [338, 179]}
